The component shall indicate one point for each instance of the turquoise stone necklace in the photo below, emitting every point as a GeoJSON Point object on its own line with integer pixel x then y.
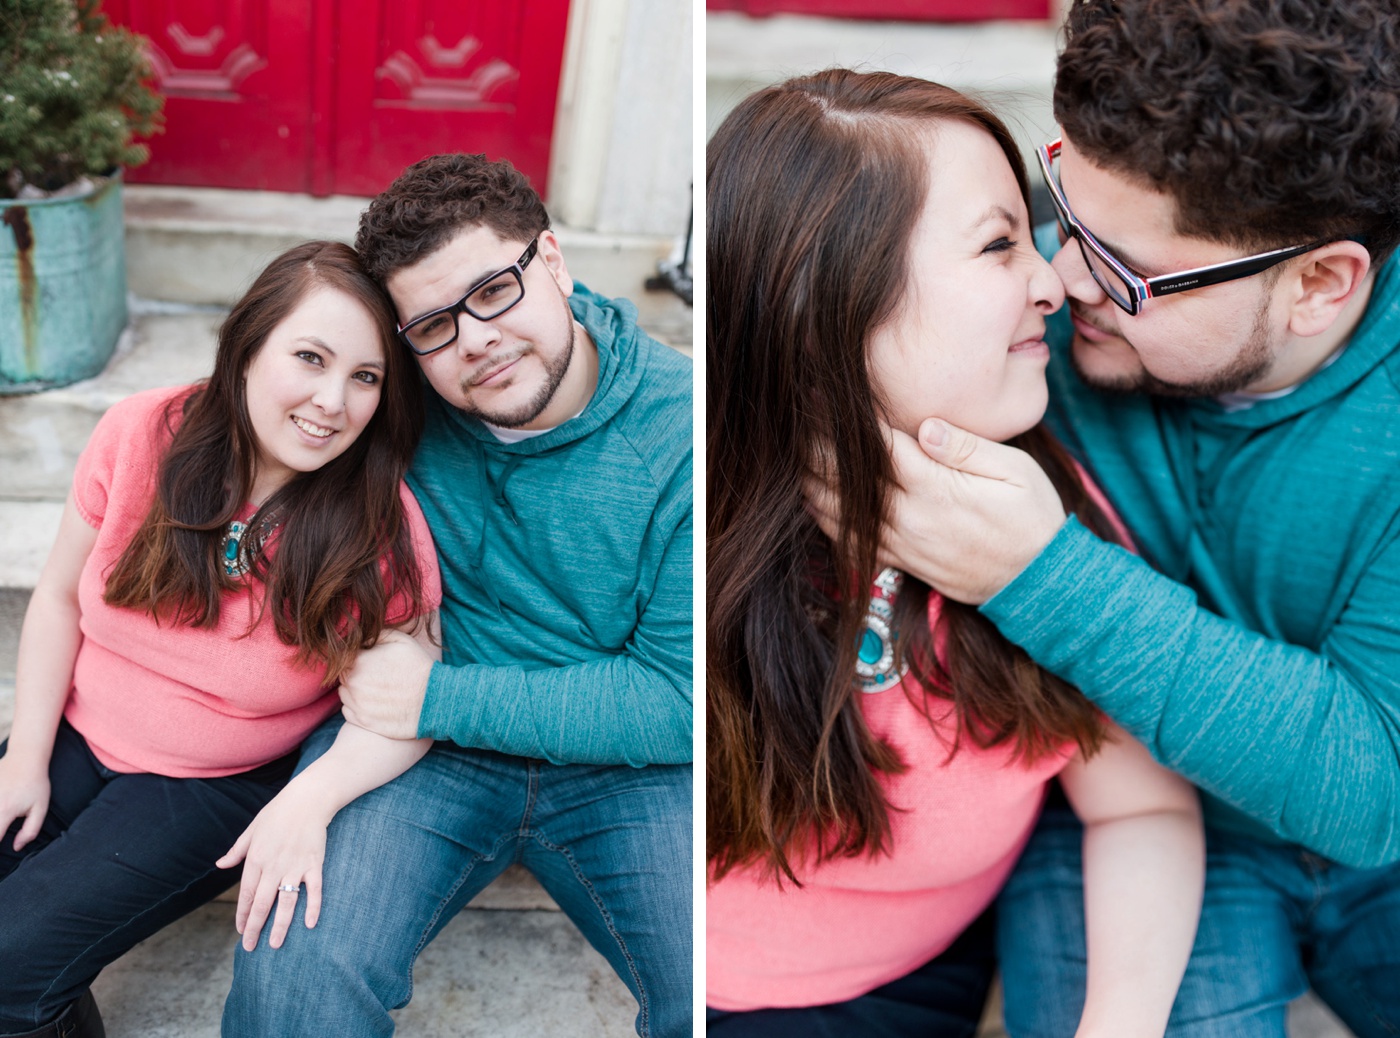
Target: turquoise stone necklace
{"type": "Point", "coordinates": [235, 558]}
{"type": "Point", "coordinates": [234, 563]}
{"type": "Point", "coordinates": [875, 665]}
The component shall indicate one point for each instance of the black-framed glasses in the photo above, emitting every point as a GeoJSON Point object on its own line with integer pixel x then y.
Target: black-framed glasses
{"type": "Point", "coordinates": [488, 298]}
{"type": "Point", "coordinates": [1128, 289]}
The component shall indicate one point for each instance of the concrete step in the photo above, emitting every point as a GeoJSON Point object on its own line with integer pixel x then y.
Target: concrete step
{"type": "Point", "coordinates": [205, 246]}
{"type": "Point", "coordinates": [42, 434]}
{"type": "Point", "coordinates": [510, 974]}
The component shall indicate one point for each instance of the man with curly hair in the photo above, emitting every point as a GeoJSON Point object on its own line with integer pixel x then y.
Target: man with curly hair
{"type": "Point", "coordinates": [1228, 368]}
{"type": "Point", "coordinates": [555, 474]}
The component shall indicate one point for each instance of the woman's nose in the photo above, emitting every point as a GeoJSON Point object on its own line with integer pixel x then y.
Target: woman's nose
{"type": "Point", "coordinates": [1047, 290]}
{"type": "Point", "coordinates": [329, 396]}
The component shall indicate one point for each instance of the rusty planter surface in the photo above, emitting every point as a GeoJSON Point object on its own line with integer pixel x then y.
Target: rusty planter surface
{"type": "Point", "coordinates": [62, 287]}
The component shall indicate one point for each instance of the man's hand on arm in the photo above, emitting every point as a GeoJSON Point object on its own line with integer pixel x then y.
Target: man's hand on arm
{"type": "Point", "coordinates": [969, 514]}
{"type": "Point", "coordinates": [383, 692]}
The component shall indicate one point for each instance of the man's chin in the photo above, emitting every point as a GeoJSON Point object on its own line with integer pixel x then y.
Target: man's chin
{"type": "Point", "coordinates": [501, 414]}
{"type": "Point", "coordinates": [1120, 372]}
{"type": "Point", "coordinates": [1115, 370]}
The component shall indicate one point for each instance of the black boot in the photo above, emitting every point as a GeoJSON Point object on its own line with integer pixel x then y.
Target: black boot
{"type": "Point", "coordinates": [80, 1020]}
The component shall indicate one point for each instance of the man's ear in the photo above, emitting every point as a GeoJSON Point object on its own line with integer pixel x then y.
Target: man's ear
{"type": "Point", "coordinates": [1325, 281]}
{"type": "Point", "coordinates": [553, 260]}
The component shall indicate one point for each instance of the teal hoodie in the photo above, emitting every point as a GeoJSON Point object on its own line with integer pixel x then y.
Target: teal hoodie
{"type": "Point", "coordinates": [1255, 646]}
{"type": "Point", "coordinates": [566, 565]}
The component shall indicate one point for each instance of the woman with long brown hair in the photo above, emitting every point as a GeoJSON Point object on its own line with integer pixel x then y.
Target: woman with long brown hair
{"type": "Point", "coordinates": [226, 551]}
{"type": "Point", "coordinates": [877, 755]}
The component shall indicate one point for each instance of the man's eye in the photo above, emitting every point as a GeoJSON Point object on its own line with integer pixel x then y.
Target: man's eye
{"type": "Point", "coordinates": [494, 290]}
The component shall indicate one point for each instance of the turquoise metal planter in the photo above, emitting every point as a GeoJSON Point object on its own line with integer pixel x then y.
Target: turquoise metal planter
{"type": "Point", "coordinates": [62, 287]}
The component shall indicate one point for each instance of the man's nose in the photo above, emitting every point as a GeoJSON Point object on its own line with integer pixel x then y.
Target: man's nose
{"type": "Point", "coordinates": [1074, 272]}
{"type": "Point", "coordinates": [474, 336]}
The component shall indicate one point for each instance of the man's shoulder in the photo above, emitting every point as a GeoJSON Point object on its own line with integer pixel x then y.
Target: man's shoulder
{"type": "Point", "coordinates": [656, 379]}
{"type": "Point", "coordinates": [660, 407]}
{"type": "Point", "coordinates": [668, 376]}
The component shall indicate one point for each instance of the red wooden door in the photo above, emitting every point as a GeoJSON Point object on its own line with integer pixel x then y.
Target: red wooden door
{"type": "Point", "coordinates": [237, 82]}
{"type": "Point", "coordinates": [338, 97]}
{"type": "Point", "coordinates": [418, 77]}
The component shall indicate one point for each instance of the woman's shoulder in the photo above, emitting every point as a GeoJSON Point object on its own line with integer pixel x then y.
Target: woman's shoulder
{"type": "Point", "coordinates": [424, 549]}
{"type": "Point", "coordinates": [131, 434]}
{"type": "Point", "coordinates": [1099, 498]}
{"type": "Point", "coordinates": [147, 409]}
{"type": "Point", "coordinates": [413, 513]}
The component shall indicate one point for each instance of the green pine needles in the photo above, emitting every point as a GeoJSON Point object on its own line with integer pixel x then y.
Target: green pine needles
{"type": "Point", "coordinates": [73, 93]}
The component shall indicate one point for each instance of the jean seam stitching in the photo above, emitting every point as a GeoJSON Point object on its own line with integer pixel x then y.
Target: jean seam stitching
{"type": "Point", "coordinates": [122, 925]}
{"type": "Point", "coordinates": [643, 1001]}
{"type": "Point", "coordinates": [443, 902]}
{"type": "Point", "coordinates": [532, 787]}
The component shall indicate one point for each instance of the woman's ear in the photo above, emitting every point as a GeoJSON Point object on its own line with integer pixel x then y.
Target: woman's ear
{"type": "Point", "coordinates": [1326, 280]}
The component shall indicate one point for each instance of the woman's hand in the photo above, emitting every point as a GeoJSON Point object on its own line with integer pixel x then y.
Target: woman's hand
{"type": "Point", "coordinates": [24, 793]}
{"type": "Point", "coordinates": [284, 846]}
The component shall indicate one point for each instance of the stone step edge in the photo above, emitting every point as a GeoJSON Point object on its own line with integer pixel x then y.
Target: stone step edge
{"type": "Point", "coordinates": [199, 245]}
{"type": "Point", "coordinates": [278, 215]}
{"type": "Point", "coordinates": [27, 530]}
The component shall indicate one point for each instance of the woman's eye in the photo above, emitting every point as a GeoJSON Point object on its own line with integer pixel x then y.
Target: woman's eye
{"type": "Point", "coordinates": [369, 378]}
{"type": "Point", "coordinates": [310, 356]}
{"type": "Point", "coordinates": [1001, 245]}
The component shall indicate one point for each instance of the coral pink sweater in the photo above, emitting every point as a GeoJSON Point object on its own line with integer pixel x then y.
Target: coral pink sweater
{"type": "Point", "coordinates": [856, 923]}
{"type": "Point", "coordinates": [168, 698]}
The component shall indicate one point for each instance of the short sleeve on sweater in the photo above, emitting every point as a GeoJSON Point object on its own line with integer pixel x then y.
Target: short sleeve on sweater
{"type": "Point", "coordinates": [425, 554]}
{"type": "Point", "coordinates": [126, 443]}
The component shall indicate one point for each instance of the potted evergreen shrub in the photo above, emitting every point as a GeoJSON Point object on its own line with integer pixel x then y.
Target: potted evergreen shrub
{"type": "Point", "coordinates": [73, 94]}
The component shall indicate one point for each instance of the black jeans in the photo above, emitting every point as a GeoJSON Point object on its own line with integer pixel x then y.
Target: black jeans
{"type": "Point", "coordinates": [941, 999]}
{"type": "Point", "coordinates": [119, 857]}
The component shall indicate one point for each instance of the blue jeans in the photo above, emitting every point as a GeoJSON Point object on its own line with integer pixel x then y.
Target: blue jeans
{"type": "Point", "coordinates": [1275, 920]}
{"type": "Point", "coordinates": [611, 845]}
{"type": "Point", "coordinates": [118, 858]}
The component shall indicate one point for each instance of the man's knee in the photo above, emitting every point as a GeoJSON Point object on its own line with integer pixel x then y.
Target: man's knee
{"type": "Point", "coordinates": [317, 982]}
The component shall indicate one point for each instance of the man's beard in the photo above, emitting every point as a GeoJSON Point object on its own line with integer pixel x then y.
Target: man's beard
{"type": "Point", "coordinates": [554, 371]}
{"type": "Point", "coordinates": [1248, 366]}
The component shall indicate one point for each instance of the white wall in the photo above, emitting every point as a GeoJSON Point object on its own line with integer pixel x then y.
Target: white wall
{"type": "Point", "coordinates": [1010, 64]}
{"type": "Point", "coordinates": [623, 143]}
